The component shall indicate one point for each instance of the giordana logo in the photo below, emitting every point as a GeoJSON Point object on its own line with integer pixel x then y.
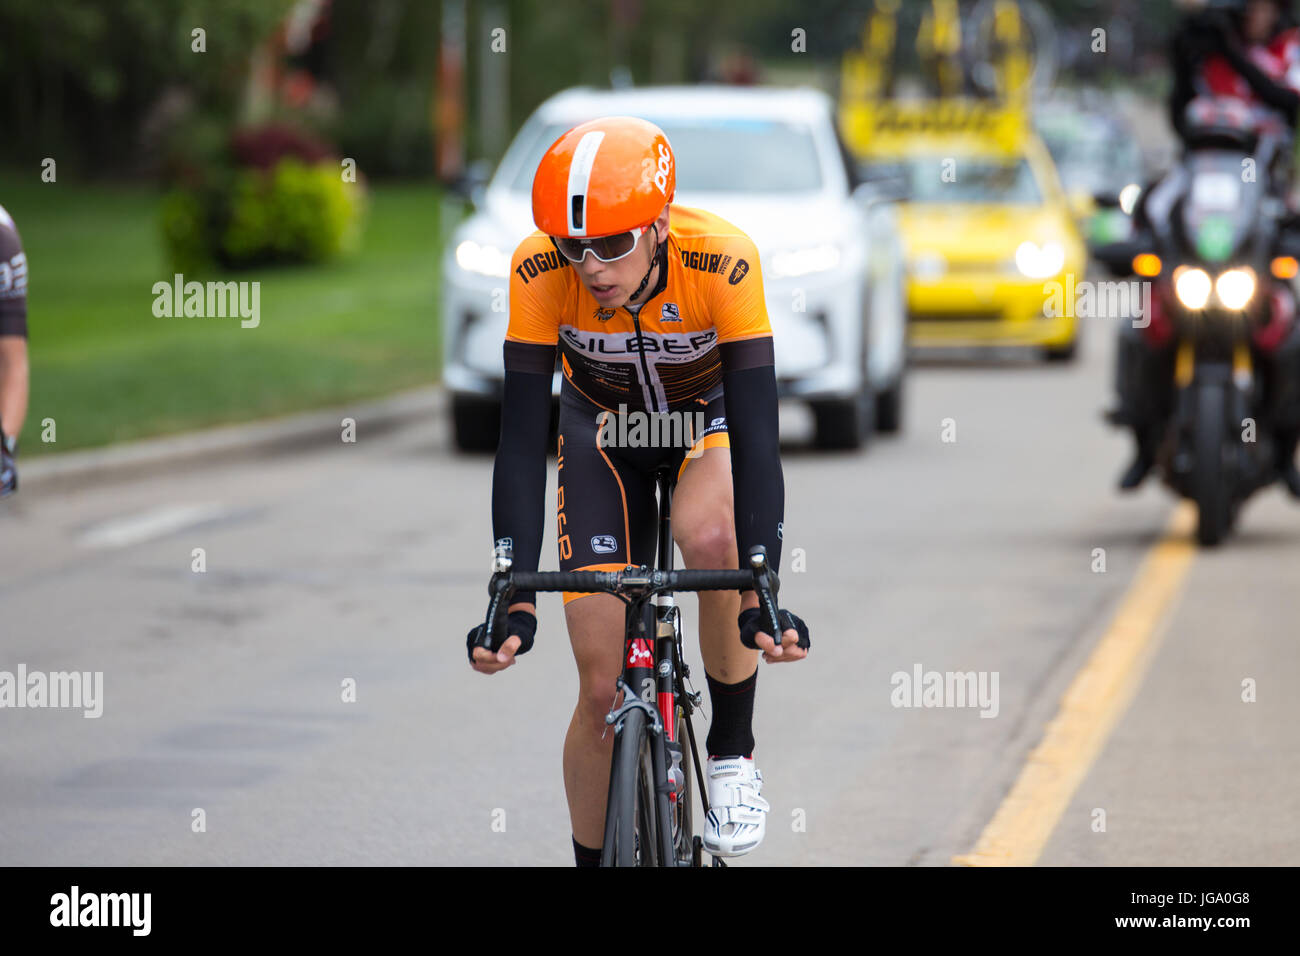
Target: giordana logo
{"type": "Point", "coordinates": [670, 313]}
{"type": "Point", "coordinates": [604, 314]}
{"type": "Point", "coordinates": [665, 167]}
{"type": "Point", "coordinates": [604, 543]}
{"type": "Point", "coordinates": [738, 271]}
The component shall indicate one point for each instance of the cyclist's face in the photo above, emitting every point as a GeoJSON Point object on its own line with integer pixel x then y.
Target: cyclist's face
{"type": "Point", "coordinates": [1260, 21]}
{"type": "Point", "coordinates": [612, 283]}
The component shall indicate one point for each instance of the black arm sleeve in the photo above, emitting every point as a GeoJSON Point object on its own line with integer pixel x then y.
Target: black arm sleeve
{"type": "Point", "coordinates": [1276, 95]}
{"type": "Point", "coordinates": [758, 485]}
{"type": "Point", "coordinates": [519, 475]}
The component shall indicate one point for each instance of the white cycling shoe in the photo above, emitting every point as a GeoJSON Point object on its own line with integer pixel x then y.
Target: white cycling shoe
{"type": "Point", "coordinates": [737, 814]}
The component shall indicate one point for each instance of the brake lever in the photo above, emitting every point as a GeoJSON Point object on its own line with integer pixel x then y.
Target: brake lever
{"type": "Point", "coordinates": [500, 591]}
{"type": "Point", "coordinates": [766, 585]}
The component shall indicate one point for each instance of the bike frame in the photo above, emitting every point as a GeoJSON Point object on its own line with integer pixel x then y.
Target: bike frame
{"type": "Point", "coordinates": [655, 674]}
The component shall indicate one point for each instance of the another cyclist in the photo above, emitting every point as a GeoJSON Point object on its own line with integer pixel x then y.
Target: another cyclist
{"type": "Point", "coordinates": [13, 349]}
{"type": "Point", "coordinates": [654, 308]}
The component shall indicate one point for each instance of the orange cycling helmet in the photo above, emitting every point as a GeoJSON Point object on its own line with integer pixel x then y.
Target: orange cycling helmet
{"type": "Point", "coordinates": [604, 177]}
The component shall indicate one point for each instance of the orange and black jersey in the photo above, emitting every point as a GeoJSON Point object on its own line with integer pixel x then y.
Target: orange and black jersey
{"type": "Point", "coordinates": [709, 296]}
{"type": "Point", "coordinates": [704, 325]}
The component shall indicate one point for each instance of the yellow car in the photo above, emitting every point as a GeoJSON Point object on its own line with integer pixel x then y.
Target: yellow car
{"type": "Point", "coordinates": [993, 253]}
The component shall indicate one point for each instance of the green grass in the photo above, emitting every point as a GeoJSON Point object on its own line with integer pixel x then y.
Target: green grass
{"type": "Point", "coordinates": [106, 369]}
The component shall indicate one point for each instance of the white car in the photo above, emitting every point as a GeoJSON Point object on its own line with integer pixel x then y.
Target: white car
{"type": "Point", "coordinates": [771, 162]}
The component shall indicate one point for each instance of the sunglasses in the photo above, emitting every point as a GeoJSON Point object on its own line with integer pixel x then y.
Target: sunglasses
{"type": "Point", "coordinates": [605, 248]}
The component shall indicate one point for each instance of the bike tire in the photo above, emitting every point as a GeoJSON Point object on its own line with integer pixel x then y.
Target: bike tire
{"type": "Point", "coordinates": [629, 821]}
{"type": "Point", "coordinates": [683, 809]}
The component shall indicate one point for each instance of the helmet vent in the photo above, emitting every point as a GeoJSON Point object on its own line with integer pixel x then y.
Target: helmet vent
{"type": "Point", "coordinates": [584, 157]}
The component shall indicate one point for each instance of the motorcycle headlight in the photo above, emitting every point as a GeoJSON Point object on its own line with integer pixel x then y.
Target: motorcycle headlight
{"type": "Point", "coordinates": [802, 262]}
{"type": "Point", "coordinates": [1235, 287]}
{"type": "Point", "coordinates": [1040, 262]}
{"type": "Point", "coordinates": [483, 260]}
{"type": "Point", "coordinates": [1192, 286]}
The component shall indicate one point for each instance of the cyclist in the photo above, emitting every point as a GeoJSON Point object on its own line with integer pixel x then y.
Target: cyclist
{"type": "Point", "coordinates": [13, 349]}
{"type": "Point", "coordinates": [653, 308]}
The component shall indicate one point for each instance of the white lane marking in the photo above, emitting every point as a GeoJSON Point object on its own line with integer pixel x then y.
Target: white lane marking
{"type": "Point", "coordinates": [132, 529]}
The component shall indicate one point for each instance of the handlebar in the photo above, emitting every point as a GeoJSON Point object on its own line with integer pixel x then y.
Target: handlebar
{"type": "Point", "coordinates": [631, 581]}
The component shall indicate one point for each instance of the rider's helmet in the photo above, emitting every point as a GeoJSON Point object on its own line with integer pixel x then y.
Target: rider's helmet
{"type": "Point", "coordinates": [604, 177]}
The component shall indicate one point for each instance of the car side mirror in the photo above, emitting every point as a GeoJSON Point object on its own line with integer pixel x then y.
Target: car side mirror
{"type": "Point", "coordinates": [875, 191]}
{"type": "Point", "coordinates": [472, 184]}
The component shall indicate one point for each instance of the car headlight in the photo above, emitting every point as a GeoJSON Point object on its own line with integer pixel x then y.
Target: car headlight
{"type": "Point", "coordinates": [1040, 262]}
{"type": "Point", "coordinates": [483, 260]}
{"type": "Point", "coordinates": [1192, 286]}
{"type": "Point", "coordinates": [1235, 287]}
{"type": "Point", "coordinates": [802, 262]}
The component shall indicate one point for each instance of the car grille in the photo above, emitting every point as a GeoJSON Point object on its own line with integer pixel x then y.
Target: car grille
{"type": "Point", "coordinates": [976, 315]}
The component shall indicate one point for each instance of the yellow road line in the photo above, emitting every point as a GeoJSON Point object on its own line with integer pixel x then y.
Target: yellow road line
{"type": "Point", "coordinates": [1092, 705]}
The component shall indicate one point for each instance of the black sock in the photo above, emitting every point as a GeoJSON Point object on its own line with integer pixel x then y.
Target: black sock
{"type": "Point", "coordinates": [585, 855]}
{"type": "Point", "coordinates": [731, 734]}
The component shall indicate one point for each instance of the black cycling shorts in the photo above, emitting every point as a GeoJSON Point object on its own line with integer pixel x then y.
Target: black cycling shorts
{"type": "Point", "coordinates": [606, 511]}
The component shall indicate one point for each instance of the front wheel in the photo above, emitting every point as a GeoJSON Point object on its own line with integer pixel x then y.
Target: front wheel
{"type": "Point", "coordinates": [629, 812]}
{"type": "Point", "coordinates": [1210, 482]}
{"type": "Point", "coordinates": [845, 424]}
{"type": "Point", "coordinates": [475, 423]}
{"type": "Point", "coordinates": [889, 408]}
{"type": "Point", "coordinates": [683, 822]}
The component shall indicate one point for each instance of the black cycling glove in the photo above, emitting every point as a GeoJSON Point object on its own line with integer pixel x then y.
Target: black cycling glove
{"type": "Point", "coordinates": [750, 624]}
{"type": "Point", "coordinates": [519, 623]}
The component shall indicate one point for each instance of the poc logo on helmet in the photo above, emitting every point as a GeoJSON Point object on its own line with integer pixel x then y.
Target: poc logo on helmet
{"type": "Point", "coordinates": [665, 167]}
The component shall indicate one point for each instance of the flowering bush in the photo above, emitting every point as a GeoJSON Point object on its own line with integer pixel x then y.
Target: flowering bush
{"type": "Point", "coordinates": [277, 197]}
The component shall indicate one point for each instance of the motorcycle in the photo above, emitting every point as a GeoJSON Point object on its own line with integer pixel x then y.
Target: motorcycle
{"type": "Point", "coordinates": [1218, 247]}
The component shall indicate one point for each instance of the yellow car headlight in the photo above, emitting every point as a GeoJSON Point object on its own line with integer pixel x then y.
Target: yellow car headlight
{"type": "Point", "coordinates": [1040, 262]}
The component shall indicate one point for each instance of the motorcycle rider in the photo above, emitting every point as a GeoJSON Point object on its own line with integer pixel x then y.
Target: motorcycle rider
{"type": "Point", "coordinates": [1247, 50]}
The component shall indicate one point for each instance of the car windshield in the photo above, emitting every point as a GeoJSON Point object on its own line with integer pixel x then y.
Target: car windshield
{"type": "Point", "coordinates": [717, 155]}
{"type": "Point", "coordinates": [1101, 159]}
{"type": "Point", "coordinates": [962, 180]}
